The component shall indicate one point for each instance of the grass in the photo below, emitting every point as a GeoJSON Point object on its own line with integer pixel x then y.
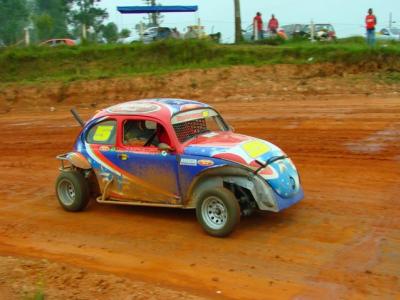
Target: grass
{"type": "Point", "coordinates": [66, 64]}
{"type": "Point", "coordinates": [389, 77]}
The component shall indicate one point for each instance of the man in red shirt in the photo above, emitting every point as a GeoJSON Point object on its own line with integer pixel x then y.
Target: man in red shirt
{"type": "Point", "coordinates": [370, 23]}
{"type": "Point", "coordinates": [258, 26]}
{"type": "Point", "coordinates": [273, 25]}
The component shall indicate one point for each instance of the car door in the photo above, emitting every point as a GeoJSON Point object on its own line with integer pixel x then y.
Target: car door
{"type": "Point", "coordinates": [100, 142]}
{"type": "Point", "coordinates": [148, 173]}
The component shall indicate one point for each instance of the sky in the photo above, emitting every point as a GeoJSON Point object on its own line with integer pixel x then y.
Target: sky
{"type": "Point", "coordinates": [347, 16]}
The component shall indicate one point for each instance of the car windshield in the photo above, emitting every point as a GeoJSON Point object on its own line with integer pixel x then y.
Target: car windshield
{"type": "Point", "coordinates": [323, 27]}
{"type": "Point", "coordinates": [193, 123]}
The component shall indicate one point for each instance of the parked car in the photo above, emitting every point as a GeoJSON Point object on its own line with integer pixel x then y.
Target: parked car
{"type": "Point", "coordinates": [58, 42]}
{"type": "Point", "coordinates": [248, 33]}
{"type": "Point", "coordinates": [389, 34]}
{"type": "Point", "coordinates": [176, 153]}
{"type": "Point", "coordinates": [159, 33]}
{"type": "Point", "coordinates": [294, 30]}
{"type": "Point", "coordinates": [322, 32]}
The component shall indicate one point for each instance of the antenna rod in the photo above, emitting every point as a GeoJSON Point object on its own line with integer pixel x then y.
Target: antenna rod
{"type": "Point", "coordinates": [77, 117]}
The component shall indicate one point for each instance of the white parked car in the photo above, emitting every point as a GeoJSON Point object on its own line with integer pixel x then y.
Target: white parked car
{"type": "Point", "coordinates": [389, 34]}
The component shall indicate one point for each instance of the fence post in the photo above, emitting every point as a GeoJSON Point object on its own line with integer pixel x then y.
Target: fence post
{"type": "Point", "coordinates": [312, 31]}
{"type": "Point", "coordinates": [27, 36]}
{"type": "Point", "coordinates": [255, 30]}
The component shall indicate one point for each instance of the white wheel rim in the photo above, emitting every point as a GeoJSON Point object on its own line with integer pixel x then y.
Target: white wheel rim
{"type": "Point", "coordinates": [214, 212]}
{"type": "Point", "coordinates": [66, 192]}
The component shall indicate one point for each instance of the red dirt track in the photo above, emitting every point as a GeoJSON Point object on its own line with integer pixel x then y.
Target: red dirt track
{"type": "Point", "coordinates": [341, 242]}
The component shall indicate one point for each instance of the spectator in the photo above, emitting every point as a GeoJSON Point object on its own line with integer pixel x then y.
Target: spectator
{"type": "Point", "coordinates": [258, 26]}
{"type": "Point", "coordinates": [370, 23]}
{"type": "Point", "coordinates": [175, 34]}
{"type": "Point", "coordinates": [273, 25]}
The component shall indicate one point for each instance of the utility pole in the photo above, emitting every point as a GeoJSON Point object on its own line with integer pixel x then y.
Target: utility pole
{"type": "Point", "coordinates": [238, 22]}
{"type": "Point", "coordinates": [153, 17]}
{"type": "Point", "coordinates": [390, 20]}
{"type": "Point", "coordinates": [83, 12]}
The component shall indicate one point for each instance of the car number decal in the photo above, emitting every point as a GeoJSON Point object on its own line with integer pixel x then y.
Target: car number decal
{"type": "Point", "coordinates": [103, 133]}
{"type": "Point", "coordinates": [255, 148]}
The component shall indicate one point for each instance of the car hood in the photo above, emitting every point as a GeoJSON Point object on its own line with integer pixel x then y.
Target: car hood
{"type": "Point", "coordinates": [245, 150]}
{"type": "Point", "coordinates": [234, 147]}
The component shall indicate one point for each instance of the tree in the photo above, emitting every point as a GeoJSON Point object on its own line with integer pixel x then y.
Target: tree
{"type": "Point", "coordinates": [87, 15]}
{"type": "Point", "coordinates": [124, 33]}
{"type": "Point", "coordinates": [44, 25]}
{"type": "Point", "coordinates": [56, 11]}
{"type": "Point", "coordinates": [154, 19]}
{"type": "Point", "coordinates": [110, 32]}
{"type": "Point", "coordinates": [14, 17]}
{"type": "Point", "coordinates": [238, 22]}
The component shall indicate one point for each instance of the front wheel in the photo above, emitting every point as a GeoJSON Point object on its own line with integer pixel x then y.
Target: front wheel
{"type": "Point", "coordinates": [72, 190]}
{"type": "Point", "coordinates": [218, 211]}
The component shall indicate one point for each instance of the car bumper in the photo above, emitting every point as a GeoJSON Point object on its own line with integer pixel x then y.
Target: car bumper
{"type": "Point", "coordinates": [284, 203]}
{"type": "Point", "coordinates": [268, 200]}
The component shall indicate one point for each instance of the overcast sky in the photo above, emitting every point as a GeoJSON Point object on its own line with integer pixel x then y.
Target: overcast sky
{"type": "Point", "coordinates": [347, 16]}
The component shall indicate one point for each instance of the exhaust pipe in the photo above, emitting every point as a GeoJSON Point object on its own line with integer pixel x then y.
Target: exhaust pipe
{"type": "Point", "coordinates": [77, 117]}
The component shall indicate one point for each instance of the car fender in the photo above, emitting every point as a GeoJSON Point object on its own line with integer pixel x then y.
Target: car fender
{"type": "Point", "coordinates": [78, 160]}
{"type": "Point", "coordinates": [217, 176]}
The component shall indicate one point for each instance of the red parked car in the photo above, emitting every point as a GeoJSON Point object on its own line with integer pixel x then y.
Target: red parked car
{"type": "Point", "coordinates": [58, 42]}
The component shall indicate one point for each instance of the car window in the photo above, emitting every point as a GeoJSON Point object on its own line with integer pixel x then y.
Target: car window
{"type": "Point", "coordinates": [103, 133]}
{"type": "Point", "coordinates": [144, 133]}
{"type": "Point", "coordinates": [138, 132]}
{"type": "Point", "coordinates": [192, 123]}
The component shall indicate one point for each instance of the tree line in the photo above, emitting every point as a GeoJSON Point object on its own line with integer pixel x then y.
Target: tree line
{"type": "Point", "coordinates": [46, 19]}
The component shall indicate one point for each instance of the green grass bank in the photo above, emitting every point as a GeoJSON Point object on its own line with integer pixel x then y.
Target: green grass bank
{"type": "Point", "coordinates": [43, 64]}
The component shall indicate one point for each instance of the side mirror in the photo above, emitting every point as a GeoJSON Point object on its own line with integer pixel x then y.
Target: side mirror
{"type": "Point", "coordinates": [165, 147]}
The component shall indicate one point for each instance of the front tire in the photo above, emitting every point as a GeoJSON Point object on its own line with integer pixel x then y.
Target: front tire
{"type": "Point", "coordinates": [218, 211]}
{"type": "Point", "coordinates": [72, 191]}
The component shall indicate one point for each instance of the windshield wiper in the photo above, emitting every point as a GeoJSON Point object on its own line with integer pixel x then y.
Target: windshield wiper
{"type": "Point", "coordinates": [268, 162]}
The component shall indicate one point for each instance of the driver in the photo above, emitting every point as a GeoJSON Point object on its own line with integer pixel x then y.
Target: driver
{"type": "Point", "coordinates": [136, 133]}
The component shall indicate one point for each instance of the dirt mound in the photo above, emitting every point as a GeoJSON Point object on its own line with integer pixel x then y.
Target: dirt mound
{"type": "Point", "coordinates": [268, 82]}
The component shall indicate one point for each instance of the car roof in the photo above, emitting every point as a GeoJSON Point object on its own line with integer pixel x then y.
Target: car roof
{"type": "Point", "coordinates": [158, 108]}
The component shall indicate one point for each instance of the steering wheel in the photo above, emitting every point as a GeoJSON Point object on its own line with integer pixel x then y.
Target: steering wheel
{"type": "Point", "coordinates": [150, 140]}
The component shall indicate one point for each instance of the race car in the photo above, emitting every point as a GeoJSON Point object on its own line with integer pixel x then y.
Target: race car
{"type": "Point", "coordinates": [176, 153]}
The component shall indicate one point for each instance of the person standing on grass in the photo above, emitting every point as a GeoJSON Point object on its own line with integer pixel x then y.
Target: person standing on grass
{"type": "Point", "coordinates": [258, 26]}
{"type": "Point", "coordinates": [273, 25]}
{"type": "Point", "coordinates": [370, 23]}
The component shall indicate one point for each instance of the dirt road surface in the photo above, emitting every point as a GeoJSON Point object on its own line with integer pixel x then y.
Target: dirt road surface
{"type": "Point", "coordinates": [341, 242]}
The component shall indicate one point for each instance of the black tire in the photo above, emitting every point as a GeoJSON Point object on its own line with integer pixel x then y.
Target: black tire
{"type": "Point", "coordinates": [218, 211]}
{"type": "Point", "coordinates": [72, 191]}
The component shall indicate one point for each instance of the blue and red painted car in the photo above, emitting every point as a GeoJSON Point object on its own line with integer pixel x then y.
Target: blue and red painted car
{"type": "Point", "coordinates": [176, 153]}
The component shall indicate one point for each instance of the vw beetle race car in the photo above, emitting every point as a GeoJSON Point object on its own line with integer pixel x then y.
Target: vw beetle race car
{"type": "Point", "coordinates": [176, 153]}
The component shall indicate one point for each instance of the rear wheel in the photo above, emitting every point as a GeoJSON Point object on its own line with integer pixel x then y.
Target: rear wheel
{"type": "Point", "coordinates": [218, 211]}
{"type": "Point", "coordinates": [72, 191]}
